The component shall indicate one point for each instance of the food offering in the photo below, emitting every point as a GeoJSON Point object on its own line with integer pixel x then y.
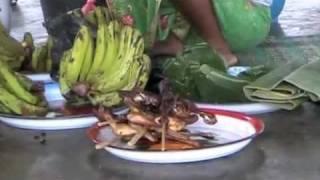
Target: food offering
{"type": "Point", "coordinates": [157, 121]}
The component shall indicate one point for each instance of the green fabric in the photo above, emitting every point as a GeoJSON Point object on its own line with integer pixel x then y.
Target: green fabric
{"type": "Point", "coordinates": [287, 86]}
{"type": "Point", "coordinates": [145, 14]}
{"type": "Point", "coordinates": [243, 24]}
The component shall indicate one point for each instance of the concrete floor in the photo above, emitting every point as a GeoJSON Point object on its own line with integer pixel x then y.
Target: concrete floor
{"type": "Point", "coordinates": [289, 148]}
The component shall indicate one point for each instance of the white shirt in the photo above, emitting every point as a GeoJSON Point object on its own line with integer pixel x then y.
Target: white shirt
{"type": "Point", "coordinates": [263, 2]}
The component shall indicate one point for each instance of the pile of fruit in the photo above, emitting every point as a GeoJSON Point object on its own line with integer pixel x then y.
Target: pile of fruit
{"type": "Point", "coordinates": [11, 51]}
{"type": "Point", "coordinates": [97, 67]}
{"type": "Point", "coordinates": [41, 60]}
{"type": "Point", "coordinates": [24, 56]}
{"type": "Point", "coordinates": [107, 57]}
{"type": "Point", "coordinates": [19, 95]}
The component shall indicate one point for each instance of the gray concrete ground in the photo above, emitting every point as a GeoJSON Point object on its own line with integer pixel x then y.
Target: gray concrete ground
{"type": "Point", "coordinates": [288, 150]}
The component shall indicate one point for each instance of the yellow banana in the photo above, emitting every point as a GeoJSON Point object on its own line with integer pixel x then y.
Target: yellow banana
{"type": "Point", "coordinates": [10, 81]}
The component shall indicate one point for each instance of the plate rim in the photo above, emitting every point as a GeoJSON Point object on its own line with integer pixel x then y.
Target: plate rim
{"type": "Point", "coordinates": [257, 124]}
{"type": "Point", "coordinates": [57, 118]}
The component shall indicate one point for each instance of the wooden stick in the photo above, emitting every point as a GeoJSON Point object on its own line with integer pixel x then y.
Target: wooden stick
{"type": "Point", "coordinates": [133, 141]}
{"type": "Point", "coordinates": [163, 137]}
{"type": "Point", "coordinates": [105, 123]}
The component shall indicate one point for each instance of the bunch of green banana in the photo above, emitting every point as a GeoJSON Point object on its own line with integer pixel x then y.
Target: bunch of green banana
{"type": "Point", "coordinates": [98, 68]}
{"type": "Point", "coordinates": [16, 96]}
{"type": "Point", "coordinates": [41, 60]}
{"type": "Point", "coordinates": [11, 51]}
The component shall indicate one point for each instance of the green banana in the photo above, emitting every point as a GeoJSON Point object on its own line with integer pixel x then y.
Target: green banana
{"type": "Point", "coordinates": [111, 48]}
{"type": "Point", "coordinates": [39, 57]}
{"type": "Point", "coordinates": [4, 109]}
{"type": "Point", "coordinates": [13, 62]}
{"type": "Point", "coordinates": [50, 45]}
{"type": "Point", "coordinates": [10, 44]}
{"type": "Point", "coordinates": [65, 87]}
{"type": "Point", "coordinates": [106, 99]}
{"type": "Point", "coordinates": [28, 40]}
{"type": "Point", "coordinates": [100, 45]}
{"type": "Point", "coordinates": [24, 81]}
{"type": "Point", "coordinates": [8, 53]}
{"type": "Point", "coordinates": [144, 75]}
{"type": "Point", "coordinates": [133, 74]}
{"type": "Point", "coordinates": [139, 73]}
{"type": "Point", "coordinates": [114, 62]}
{"type": "Point", "coordinates": [10, 81]}
{"type": "Point", "coordinates": [88, 59]}
{"type": "Point", "coordinates": [112, 45]}
{"type": "Point", "coordinates": [18, 106]}
{"type": "Point", "coordinates": [117, 75]}
{"type": "Point", "coordinates": [78, 55]}
{"type": "Point", "coordinates": [2, 29]}
{"type": "Point", "coordinates": [91, 18]}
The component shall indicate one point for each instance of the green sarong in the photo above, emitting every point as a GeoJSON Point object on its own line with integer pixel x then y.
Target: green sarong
{"type": "Point", "coordinates": [243, 24]}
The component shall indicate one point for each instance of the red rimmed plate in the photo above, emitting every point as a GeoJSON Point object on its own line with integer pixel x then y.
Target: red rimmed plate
{"type": "Point", "coordinates": [232, 133]}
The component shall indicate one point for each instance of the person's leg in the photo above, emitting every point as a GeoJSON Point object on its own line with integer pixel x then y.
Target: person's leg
{"type": "Point", "coordinates": [171, 46]}
{"type": "Point", "coordinates": [202, 16]}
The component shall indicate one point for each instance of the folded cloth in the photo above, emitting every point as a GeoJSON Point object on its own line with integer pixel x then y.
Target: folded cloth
{"type": "Point", "coordinates": [287, 86]}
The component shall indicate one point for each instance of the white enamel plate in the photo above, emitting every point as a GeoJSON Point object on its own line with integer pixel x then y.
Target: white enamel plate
{"type": "Point", "coordinates": [232, 133]}
{"type": "Point", "coordinates": [51, 122]}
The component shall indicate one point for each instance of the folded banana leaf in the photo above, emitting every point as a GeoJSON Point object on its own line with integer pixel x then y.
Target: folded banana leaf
{"type": "Point", "coordinates": [287, 86]}
{"type": "Point", "coordinates": [201, 76]}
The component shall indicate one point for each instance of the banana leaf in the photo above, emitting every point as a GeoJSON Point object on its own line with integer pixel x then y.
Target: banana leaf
{"type": "Point", "coordinates": [288, 85]}
{"type": "Point", "coordinates": [200, 75]}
